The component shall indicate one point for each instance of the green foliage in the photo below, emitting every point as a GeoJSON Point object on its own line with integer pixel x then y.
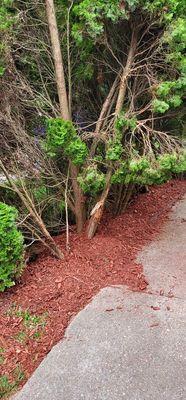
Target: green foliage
{"type": "Point", "coordinates": [166, 9]}
{"type": "Point", "coordinates": [164, 88]}
{"type": "Point", "coordinates": [91, 180]}
{"type": "Point", "coordinates": [33, 326]}
{"type": "Point", "coordinates": [2, 70]}
{"type": "Point", "coordinates": [77, 151]}
{"type": "Point", "coordinates": [125, 123]}
{"type": "Point", "coordinates": [7, 386]}
{"type": "Point", "coordinates": [40, 193]}
{"type": "Point", "coordinates": [85, 72]}
{"type": "Point", "coordinates": [167, 161]}
{"type": "Point", "coordinates": [91, 16]}
{"type": "Point", "coordinates": [7, 19]}
{"type": "Point", "coordinates": [100, 32]}
{"type": "Point", "coordinates": [61, 135]}
{"type": "Point", "coordinates": [175, 37]}
{"type": "Point", "coordinates": [175, 101]}
{"type": "Point", "coordinates": [144, 171]}
{"type": "Point", "coordinates": [138, 164]}
{"type": "Point", "coordinates": [115, 150]}
{"type": "Point", "coordinates": [179, 166]}
{"type": "Point", "coordinates": [30, 321]}
{"type": "Point", "coordinates": [119, 175]}
{"type": "Point", "coordinates": [11, 247]}
{"type": "Point", "coordinates": [160, 106]}
{"type": "Point", "coordinates": [2, 350]}
{"type": "Point", "coordinates": [21, 337]}
{"type": "Point", "coordinates": [170, 94]}
{"type": "Point", "coordinates": [7, 16]}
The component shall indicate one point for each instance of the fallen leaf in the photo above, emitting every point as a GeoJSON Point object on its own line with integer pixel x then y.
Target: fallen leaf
{"type": "Point", "coordinates": [155, 324]}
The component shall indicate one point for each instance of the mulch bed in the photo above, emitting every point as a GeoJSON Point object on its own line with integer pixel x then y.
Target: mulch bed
{"type": "Point", "coordinates": [62, 288]}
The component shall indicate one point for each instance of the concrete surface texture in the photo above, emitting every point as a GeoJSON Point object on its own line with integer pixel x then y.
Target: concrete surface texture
{"type": "Point", "coordinates": [126, 345]}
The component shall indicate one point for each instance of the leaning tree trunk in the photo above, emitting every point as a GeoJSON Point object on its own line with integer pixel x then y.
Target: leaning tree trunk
{"type": "Point", "coordinates": [97, 211]}
{"type": "Point", "coordinates": [58, 60]}
{"type": "Point", "coordinates": [126, 74]}
{"type": "Point", "coordinates": [29, 205]}
{"type": "Point", "coordinates": [79, 204]}
{"type": "Point", "coordinates": [103, 113]}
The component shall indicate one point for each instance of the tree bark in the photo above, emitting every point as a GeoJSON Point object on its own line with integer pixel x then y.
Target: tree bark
{"type": "Point", "coordinates": [104, 110]}
{"type": "Point", "coordinates": [26, 200]}
{"type": "Point", "coordinates": [79, 203]}
{"type": "Point", "coordinates": [64, 108]}
{"type": "Point", "coordinates": [58, 60]}
{"type": "Point", "coordinates": [126, 73]}
{"type": "Point", "coordinates": [97, 211]}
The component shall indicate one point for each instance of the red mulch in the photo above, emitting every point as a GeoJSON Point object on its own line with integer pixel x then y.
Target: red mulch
{"type": "Point", "coordinates": [62, 288]}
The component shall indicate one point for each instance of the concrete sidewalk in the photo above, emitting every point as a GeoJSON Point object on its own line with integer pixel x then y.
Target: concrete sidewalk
{"type": "Point", "coordinates": [126, 345]}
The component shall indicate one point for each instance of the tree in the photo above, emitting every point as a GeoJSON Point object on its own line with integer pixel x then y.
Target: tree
{"type": "Point", "coordinates": [12, 123]}
{"type": "Point", "coordinates": [64, 107]}
{"type": "Point", "coordinates": [119, 72]}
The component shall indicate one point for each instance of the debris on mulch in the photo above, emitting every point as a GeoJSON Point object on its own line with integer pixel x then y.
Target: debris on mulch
{"type": "Point", "coordinates": [59, 289]}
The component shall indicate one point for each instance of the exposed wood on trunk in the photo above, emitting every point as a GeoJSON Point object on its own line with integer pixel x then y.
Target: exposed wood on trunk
{"type": "Point", "coordinates": [97, 212]}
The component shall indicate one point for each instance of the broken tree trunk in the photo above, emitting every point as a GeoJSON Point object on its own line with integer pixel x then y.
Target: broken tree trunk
{"type": "Point", "coordinates": [97, 211]}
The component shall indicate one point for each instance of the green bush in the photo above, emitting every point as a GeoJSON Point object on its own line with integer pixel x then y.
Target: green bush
{"type": "Point", "coordinates": [92, 181]}
{"type": "Point", "coordinates": [11, 247]}
{"type": "Point", "coordinates": [62, 134]}
{"type": "Point", "coordinates": [144, 171]}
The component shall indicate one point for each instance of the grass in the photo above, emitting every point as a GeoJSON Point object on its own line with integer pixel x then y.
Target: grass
{"type": "Point", "coordinates": [21, 337]}
{"type": "Point", "coordinates": [1, 360]}
{"type": "Point", "coordinates": [30, 321]}
{"type": "Point", "coordinates": [32, 327]}
{"type": "Point", "coordinates": [7, 386]}
{"type": "Point", "coordinates": [1, 355]}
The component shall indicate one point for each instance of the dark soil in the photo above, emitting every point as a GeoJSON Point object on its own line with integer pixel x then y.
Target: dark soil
{"type": "Point", "coordinates": [62, 288]}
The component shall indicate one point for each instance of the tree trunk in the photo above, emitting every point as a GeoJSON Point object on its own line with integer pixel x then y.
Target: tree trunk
{"type": "Point", "coordinates": [27, 201]}
{"type": "Point", "coordinates": [130, 191]}
{"type": "Point", "coordinates": [97, 211]}
{"type": "Point", "coordinates": [64, 108]}
{"type": "Point", "coordinates": [58, 61]}
{"type": "Point", "coordinates": [126, 73]}
{"type": "Point", "coordinates": [79, 202]}
{"type": "Point", "coordinates": [104, 110]}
